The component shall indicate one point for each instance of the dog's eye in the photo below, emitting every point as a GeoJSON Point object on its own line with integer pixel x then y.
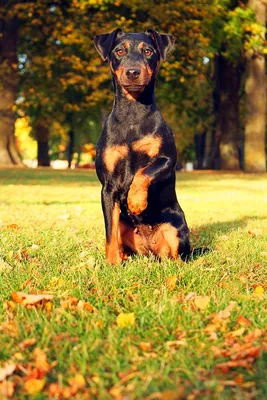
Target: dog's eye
{"type": "Point", "coordinates": [120, 52]}
{"type": "Point", "coordinates": [148, 52]}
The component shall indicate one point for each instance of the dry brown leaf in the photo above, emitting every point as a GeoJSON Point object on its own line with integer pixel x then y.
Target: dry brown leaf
{"type": "Point", "coordinates": [7, 389]}
{"type": "Point", "coordinates": [226, 366]}
{"type": "Point", "coordinates": [41, 362]}
{"type": "Point", "coordinates": [176, 344]}
{"type": "Point", "coordinates": [254, 335]}
{"type": "Point", "coordinates": [34, 386]}
{"type": "Point", "coordinates": [12, 226]}
{"type": "Point", "coordinates": [7, 370]}
{"type": "Point", "coordinates": [27, 343]}
{"type": "Point", "coordinates": [30, 299]}
{"type": "Point", "coordinates": [10, 327]}
{"type": "Point", "coordinates": [190, 296]}
{"type": "Point", "coordinates": [145, 346]}
{"type": "Point", "coordinates": [171, 282]}
{"type": "Point", "coordinates": [225, 314]}
{"type": "Point", "coordinates": [241, 320]}
{"type": "Point", "coordinates": [201, 302]}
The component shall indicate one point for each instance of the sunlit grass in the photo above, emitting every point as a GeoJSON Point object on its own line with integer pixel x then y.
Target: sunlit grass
{"type": "Point", "coordinates": [52, 240]}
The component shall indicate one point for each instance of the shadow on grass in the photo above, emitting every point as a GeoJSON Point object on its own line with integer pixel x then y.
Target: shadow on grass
{"type": "Point", "coordinates": [205, 234]}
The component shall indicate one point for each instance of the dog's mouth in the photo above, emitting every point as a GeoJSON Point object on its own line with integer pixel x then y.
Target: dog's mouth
{"type": "Point", "coordinates": [134, 88]}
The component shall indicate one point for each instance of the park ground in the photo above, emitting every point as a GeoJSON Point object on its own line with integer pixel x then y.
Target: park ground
{"type": "Point", "coordinates": [146, 330]}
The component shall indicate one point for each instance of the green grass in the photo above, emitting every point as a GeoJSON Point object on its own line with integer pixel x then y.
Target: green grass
{"type": "Point", "coordinates": [60, 213]}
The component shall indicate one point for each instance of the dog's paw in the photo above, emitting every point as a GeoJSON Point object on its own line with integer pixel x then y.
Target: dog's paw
{"type": "Point", "coordinates": [137, 201]}
{"type": "Point", "coordinates": [113, 256]}
{"type": "Point", "coordinates": [137, 195]}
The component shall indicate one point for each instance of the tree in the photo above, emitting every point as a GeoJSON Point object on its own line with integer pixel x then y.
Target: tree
{"type": "Point", "coordinates": [8, 85]}
{"type": "Point", "coordinates": [255, 129]}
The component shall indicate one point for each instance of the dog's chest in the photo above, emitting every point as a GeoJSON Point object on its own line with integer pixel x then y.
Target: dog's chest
{"type": "Point", "coordinates": [132, 152]}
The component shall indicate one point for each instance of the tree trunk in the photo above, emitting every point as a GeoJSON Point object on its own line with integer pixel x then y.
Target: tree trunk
{"type": "Point", "coordinates": [42, 136]}
{"type": "Point", "coordinates": [200, 145]}
{"type": "Point", "coordinates": [255, 86]}
{"type": "Point", "coordinates": [228, 80]}
{"type": "Point", "coordinates": [70, 149]}
{"type": "Point", "coordinates": [8, 83]}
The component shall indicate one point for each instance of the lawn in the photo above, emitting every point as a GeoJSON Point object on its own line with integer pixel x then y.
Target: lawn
{"type": "Point", "coordinates": [146, 330]}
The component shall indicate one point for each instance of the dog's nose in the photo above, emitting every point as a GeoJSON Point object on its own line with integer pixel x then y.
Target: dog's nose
{"type": "Point", "coordinates": [133, 73]}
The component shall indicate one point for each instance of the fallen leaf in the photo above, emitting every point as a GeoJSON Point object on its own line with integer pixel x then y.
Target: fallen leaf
{"type": "Point", "coordinates": [201, 302]}
{"type": "Point", "coordinates": [225, 314]}
{"type": "Point", "coordinates": [259, 292]}
{"type": "Point", "coordinates": [41, 362]}
{"type": "Point", "coordinates": [7, 370]}
{"type": "Point", "coordinates": [237, 332]}
{"type": "Point", "coordinates": [30, 299]}
{"type": "Point", "coordinates": [11, 328]}
{"type": "Point", "coordinates": [125, 320]}
{"type": "Point", "coordinates": [190, 296]}
{"type": "Point", "coordinates": [34, 386]}
{"type": "Point", "coordinates": [78, 380]}
{"type": "Point", "coordinates": [27, 343]}
{"type": "Point", "coordinates": [171, 282]}
{"type": "Point", "coordinates": [7, 389]}
{"type": "Point", "coordinates": [12, 226]}
{"type": "Point", "coordinates": [145, 346]}
{"type": "Point", "coordinates": [176, 344]}
{"type": "Point", "coordinates": [241, 320]}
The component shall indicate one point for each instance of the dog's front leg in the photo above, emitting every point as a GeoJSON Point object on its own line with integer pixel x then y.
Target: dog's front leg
{"type": "Point", "coordinates": [111, 210]}
{"type": "Point", "coordinates": [137, 195]}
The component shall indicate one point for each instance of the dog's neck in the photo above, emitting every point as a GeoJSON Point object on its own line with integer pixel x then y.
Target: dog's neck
{"type": "Point", "coordinates": [124, 102]}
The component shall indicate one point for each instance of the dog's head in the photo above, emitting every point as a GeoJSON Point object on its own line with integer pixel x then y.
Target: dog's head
{"type": "Point", "coordinates": [134, 57]}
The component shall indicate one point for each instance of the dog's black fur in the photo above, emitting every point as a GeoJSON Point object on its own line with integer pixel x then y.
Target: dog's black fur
{"type": "Point", "coordinates": [136, 153]}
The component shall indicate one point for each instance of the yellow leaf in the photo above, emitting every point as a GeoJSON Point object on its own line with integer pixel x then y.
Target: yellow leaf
{"type": "Point", "coordinates": [259, 292]}
{"type": "Point", "coordinates": [78, 380]}
{"type": "Point", "coordinates": [171, 282]}
{"type": "Point", "coordinates": [201, 302]}
{"type": "Point", "coordinates": [237, 332]}
{"type": "Point", "coordinates": [33, 386]}
{"type": "Point", "coordinates": [124, 320]}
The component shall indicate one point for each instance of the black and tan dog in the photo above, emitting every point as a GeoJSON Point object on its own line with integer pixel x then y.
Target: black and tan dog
{"type": "Point", "coordinates": [136, 153]}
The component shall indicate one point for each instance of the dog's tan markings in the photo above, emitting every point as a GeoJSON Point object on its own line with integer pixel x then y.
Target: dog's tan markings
{"type": "Point", "coordinates": [130, 96]}
{"type": "Point", "coordinates": [161, 240]}
{"type": "Point", "coordinates": [141, 45]}
{"type": "Point", "coordinates": [149, 144]}
{"type": "Point", "coordinates": [126, 45]}
{"type": "Point", "coordinates": [111, 67]}
{"type": "Point", "coordinates": [113, 154]}
{"type": "Point", "coordinates": [130, 238]}
{"type": "Point", "coordinates": [118, 72]}
{"type": "Point", "coordinates": [137, 195]}
{"type": "Point", "coordinates": [112, 245]}
{"type": "Point", "coordinates": [165, 241]}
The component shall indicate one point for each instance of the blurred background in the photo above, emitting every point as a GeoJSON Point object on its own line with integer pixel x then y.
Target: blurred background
{"type": "Point", "coordinates": [55, 91]}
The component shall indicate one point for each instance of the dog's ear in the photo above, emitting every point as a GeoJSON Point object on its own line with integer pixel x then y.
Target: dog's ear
{"type": "Point", "coordinates": [104, 42]}
{"type": "Point", "coordinates": [164, 43]}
